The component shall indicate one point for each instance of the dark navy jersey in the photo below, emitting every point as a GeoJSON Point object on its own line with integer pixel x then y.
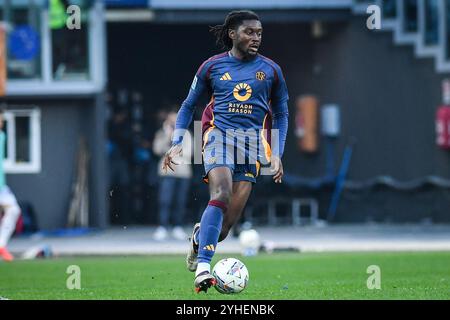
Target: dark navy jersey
{"type": "Point", "coordinates": [243, 93]}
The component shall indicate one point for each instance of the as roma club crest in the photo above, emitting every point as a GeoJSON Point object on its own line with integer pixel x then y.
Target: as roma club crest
{"type": "Point", "coordinates": [260, 75]}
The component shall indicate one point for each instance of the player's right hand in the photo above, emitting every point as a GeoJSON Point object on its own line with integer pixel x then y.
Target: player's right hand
{"type": "Point", "coordinates": [277, 169]}
{"type": "Point", "coordinates": [174, 151]}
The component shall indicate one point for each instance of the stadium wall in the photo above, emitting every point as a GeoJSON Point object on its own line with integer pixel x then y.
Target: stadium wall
{"type": "Point", "coordinates": [63, 123]}
{"type": "Point", "coordinates": [388, 99]}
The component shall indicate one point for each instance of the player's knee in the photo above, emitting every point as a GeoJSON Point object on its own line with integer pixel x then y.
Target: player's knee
{"type": "Point", "coordinates": [222, 193]}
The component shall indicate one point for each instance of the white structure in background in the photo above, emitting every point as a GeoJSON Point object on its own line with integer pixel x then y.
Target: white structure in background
{"type": "Point", "coordinates": [420, 23]}
{"type": "Point", "coordinates": [250, 242]}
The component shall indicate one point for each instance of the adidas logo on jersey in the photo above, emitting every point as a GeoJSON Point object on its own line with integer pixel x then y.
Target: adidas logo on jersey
{"type": "Point", "coordinates": [226, 76]}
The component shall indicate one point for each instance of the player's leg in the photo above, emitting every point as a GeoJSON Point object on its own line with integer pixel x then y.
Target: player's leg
{"type": "Point", "coordinates": [241, 193]}
{"type": "Point", "coordinates": [8, 224]}
{"type": "Point", "coordinates": [220, 187]}
{"type": "Point", "coordinates": [243, 178]}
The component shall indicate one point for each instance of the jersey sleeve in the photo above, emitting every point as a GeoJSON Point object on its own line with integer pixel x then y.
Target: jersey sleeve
{"type": "Point", "coordinates": [279, 88]}
{"type": "Point", "coordinates": [280, 108]}
{"type": "Point", "coordinates": [186, 112]}
{"type": "Point", "coordinates": [280, 122]}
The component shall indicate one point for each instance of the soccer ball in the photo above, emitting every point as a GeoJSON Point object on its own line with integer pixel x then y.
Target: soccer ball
{"type": "Point", "coordinates": [231, 275]}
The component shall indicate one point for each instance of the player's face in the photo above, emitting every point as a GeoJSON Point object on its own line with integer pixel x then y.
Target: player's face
{"type": "Point", "coordinates": [248, 37]}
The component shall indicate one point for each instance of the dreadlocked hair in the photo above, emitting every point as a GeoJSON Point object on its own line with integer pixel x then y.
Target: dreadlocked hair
{"type": "Point", "coordinates": [232, 21]}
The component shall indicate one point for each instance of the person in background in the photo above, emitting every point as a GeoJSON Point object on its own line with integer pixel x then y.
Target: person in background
{"type": "Point", "coordinates": [173, 185]}
{"type": "Point", "coordinates": [8, 202]}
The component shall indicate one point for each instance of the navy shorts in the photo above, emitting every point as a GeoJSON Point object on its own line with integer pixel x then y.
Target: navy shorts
{"type": "Point", "coordinates": [218, 154]}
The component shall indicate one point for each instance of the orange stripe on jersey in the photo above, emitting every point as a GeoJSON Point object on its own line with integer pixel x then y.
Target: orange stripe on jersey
{"type": "Point", "coordinates": [267, 149]}
{"type": "Point", "coordinates": [205, 137]}
{"type": "Point", "coordinates": [258, 167]}
{"type": "Point", "coordinates": [211, 128]}
{"type": "Point", "coordinates": [211, 123]}
{"type": "Point", "coordinates": [212, 120]}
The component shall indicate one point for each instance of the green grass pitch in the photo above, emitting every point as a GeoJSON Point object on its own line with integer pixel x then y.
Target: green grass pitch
{"type": "Point", "coordinates": [406, 275]}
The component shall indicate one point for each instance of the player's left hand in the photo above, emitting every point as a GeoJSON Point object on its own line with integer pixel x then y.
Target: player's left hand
{"type": "Point", "coordinates": [277, 169]}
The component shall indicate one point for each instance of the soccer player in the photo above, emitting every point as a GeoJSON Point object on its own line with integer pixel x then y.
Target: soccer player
{"type": "Point", "coordinates": [8, 203]}
{"type": "Point", "coordinates": [248, 92]}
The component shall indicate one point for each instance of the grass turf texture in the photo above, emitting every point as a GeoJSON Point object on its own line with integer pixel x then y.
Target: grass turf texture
{"type": "Point", "coordinates": [408, 275]}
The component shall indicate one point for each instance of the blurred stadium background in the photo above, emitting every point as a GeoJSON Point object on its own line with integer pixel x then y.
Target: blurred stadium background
{"type": "Point", "coordinates": [364, 165]}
